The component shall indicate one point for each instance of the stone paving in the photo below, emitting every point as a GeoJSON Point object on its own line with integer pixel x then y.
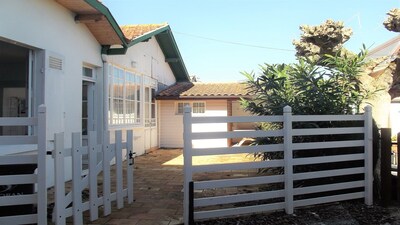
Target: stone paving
{"type": "Point", "coordinates": [157, 192]}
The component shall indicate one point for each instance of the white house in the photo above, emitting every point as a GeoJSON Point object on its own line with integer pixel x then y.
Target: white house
{"type": "Point", "coordinates": [206, 99]}
{"type": "Point", "coordinates": [90, 73]}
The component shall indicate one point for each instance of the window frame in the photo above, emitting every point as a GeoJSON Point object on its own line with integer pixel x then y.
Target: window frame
{"type": "Point", "coordinates": [191, 104]}
{"type": "Point", "coordinates": [137, 81]}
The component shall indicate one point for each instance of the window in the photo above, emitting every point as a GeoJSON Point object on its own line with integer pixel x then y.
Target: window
{"type": "Point", "coordinates": [180, 107]}
{"type": "Point", "coordinates": [124, 96]}
{"type": "Point", "coordinates": [150, 102]}
{"type": "Point", "coordinates": [199, 107]}
{"type": "Point", "coordinates": [87, 72]}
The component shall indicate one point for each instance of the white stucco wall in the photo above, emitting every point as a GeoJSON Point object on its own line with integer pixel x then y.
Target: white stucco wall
{"type": "Point", "coordinates": [171, 125]}
{"type": "Point", "coordinates": [46, 25]}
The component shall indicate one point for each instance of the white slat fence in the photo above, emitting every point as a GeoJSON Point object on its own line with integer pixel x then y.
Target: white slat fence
{"type": "Point", "coordinates": [37, 159]}
{"type": "Point", "coordinates": [290, 193]}
{"type": "Point", "coordinates": [71, 203]}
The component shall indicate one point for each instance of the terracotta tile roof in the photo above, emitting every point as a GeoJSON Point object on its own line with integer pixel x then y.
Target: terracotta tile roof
{"type": "Point", "coordinates": [204, 90]}
{"type": "Point", "coordinates": [136, 30]}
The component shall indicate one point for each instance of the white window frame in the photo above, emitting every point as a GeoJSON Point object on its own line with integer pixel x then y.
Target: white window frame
{"type": "Point", "coordinates": [191, 104]}
{"type": "Point", "coordinates": [138, 82]}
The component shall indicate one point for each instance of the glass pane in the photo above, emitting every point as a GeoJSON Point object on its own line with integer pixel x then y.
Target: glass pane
{"type": "Point", "coordinates": [87, 72]}
{"type": "Point", "coordinates": [153, 111]}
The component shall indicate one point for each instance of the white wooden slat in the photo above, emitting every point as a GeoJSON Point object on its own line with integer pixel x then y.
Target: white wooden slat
{"type": "Point", "coordinates": [327, 159]}
{"type": "Point", "coordinates": [18, 200]}
{"type": "Point", "coordinates": [308, 118]}
{"type": "Point", "coordinates": [328, 187]}
{"type": "Point", "coordinates": [41, 170]}
{"type": "Point", "coordinates": [18, 121]}
{"type": "Point", "coordinates": [18, 159]}
{"type": "Point", "coordinates": [18, 140]}
{"type": "Point", "coordinates": [288, 156]}
{"type": "Point", "coordinates": [69, 212]}
{"type": "Point", "coordinates": [368, 164]}
{"type": "Point", "coordinates": [118, 168]}
{"type": "Point", "coordinates": [238, 211]}
{"type": "Point", "coordinates": [187, 161]}
{"type": "Point", "coordinates": [322, 131]}
{"type": "Point", "coordinates": [86, 206]}
{"type": "Point", "coordinates": [106, 174]}
{"type": "Point", "coordinates": [327, 173]}
{"type": "Point", "coordinates": [237, 150]}
{"type": "Point", "coordinates": [18, 179]}
{"type": "Point", "coordinates": [237, 182]}
{"type": "Point", "coordinates": [85, 182]}
{"type": "Point", "coordinates": [236, 119]}
{"type": "Point", "coordinates": [19, 219]}
{"type": "Point", "coordinates": [333, 198]}
{"type": "Point", "coordinates": [129, 166]}
{"type": "Point", "coordinates": [237, 134]}
{"type": "Point", "coordinates": [59, 186]}
{"type": "Point", "coordinates": [329, 144]}
{"type": "Point", "coordinates": [238, 198]}
{"type": "Point", "coordinates": [237, 166]}
{"type": "Point", "coordinates": [77, 178]}
{"type": "Point", "coordinates": [93, 195]}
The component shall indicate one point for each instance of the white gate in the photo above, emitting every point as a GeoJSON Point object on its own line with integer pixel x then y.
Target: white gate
{"type": "Point", "coordinates": [10, 180]}
{"type": "Point", "coordinates": [72, 203]}
{"type": "Point", "coordinates": [287, 197]}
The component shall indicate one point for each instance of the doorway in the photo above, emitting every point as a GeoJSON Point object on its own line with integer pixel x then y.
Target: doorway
{"type": "Point", "coordinates": [15, 84]}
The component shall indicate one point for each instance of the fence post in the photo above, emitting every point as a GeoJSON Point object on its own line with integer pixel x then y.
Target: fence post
{"type": "Point", "coordinates": [118, 168]}
{"type": "Point", "coordinates": [77, 178]}
{"type": "Point", "coordinates": [130, 161]}
{"type": "Point", "coordinates": [288, 158]}
{"type": "Point", "coordinates": [41, 175]}
{"type": "Point", "coordinates": [187, 164]}
{"type": "Point", "coordinates": [59, 179]}
{"type": "Point", "coordinates": [386, 175]}
{"type": "Point", "coordinates": [93, 196]}
{"type": "Point", "coordinates": [368, 174]}
{"type": "Point", "coordinates": [106, 173]}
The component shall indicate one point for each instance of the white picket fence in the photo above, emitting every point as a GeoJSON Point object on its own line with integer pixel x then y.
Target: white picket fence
{"type": "Point", "coordinates": [193, 206]}
{"type": "Point", "coordinates": [13, 180]}
{"type": "Point", "coordinates": [98, 166]}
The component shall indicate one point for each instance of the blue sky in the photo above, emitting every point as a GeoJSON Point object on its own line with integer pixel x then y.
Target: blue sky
{"type": "Point", "coordinates": [205, 30]}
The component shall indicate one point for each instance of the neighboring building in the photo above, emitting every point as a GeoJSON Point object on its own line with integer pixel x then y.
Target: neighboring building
{"type": "Point", "coordinates": [92, 75]}
{"type": "Point", "coordinates": [384, 73]}
{"type": "Point", "coordinates": [206, 99]}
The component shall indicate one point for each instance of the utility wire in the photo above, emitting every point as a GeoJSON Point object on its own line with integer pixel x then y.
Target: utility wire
{"type": "Point", "coordinates": [234, 43]}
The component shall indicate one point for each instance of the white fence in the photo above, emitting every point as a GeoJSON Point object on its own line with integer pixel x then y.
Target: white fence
{"type": "Point", "coordinates": [10, 179]}
{"type": "Point", "coordinates": [290, 195]}
{"type": "Point", "coordinates": [109, 154]}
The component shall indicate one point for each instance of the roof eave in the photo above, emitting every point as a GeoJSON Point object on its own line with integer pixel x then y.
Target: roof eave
{"type": "Point", "coordinates": [106, 12]}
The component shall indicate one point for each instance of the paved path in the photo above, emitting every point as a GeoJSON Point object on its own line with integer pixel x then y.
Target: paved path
{"type": "Point", "coordinates": [157, 192]}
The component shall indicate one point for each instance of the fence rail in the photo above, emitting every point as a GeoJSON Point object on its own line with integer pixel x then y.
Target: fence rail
{"type": "Point", "coordinates": [290, 194]}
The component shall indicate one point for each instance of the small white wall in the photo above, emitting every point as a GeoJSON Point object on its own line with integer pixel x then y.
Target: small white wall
{"type": "Point", "coordinates": [171, 125]}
